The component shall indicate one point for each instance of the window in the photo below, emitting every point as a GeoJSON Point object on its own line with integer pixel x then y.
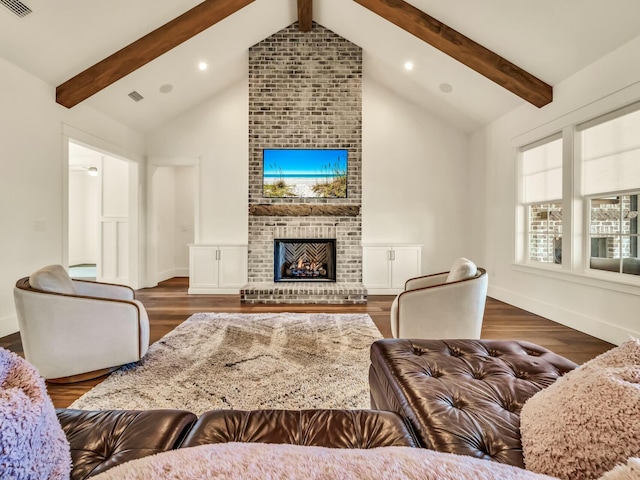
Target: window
{"type": "Point", "coordinates": [613, 234]}
{"type": "Point", "coordinates": [542, 185]}
{"type": "Point", "coordinates": [598, 164]}
{"type": "Point", "coordinates": [611, 167]}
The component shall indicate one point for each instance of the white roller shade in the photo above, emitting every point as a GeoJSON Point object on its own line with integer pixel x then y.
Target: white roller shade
{"type": "Point", "coordinates": [611, 154]}
{"type": "Point", "coordinates": [542, 172]}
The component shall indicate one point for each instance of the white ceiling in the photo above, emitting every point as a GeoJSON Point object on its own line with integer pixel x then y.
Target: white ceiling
{"type": "Point", "coordinates": [550, 39]}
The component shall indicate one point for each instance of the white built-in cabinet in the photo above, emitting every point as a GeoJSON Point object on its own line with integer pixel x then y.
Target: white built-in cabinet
{"type": "Point", "coordinates": [386, 267]}
{"type": "Point", "coordinates": [217, 268]}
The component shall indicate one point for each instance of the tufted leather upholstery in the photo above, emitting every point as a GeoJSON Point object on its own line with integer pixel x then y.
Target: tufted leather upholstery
{"type": "Point", "coordinates": [101, 440]}
{"type": "Point", "coordinates": [104, 439]}
{"type": "Point", "coordinates": [463, 396]}
{"type": "Point", "coordinates": [321, 428]}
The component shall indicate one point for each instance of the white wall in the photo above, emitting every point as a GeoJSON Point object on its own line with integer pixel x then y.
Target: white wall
{"type": "Point", "coordinates": [32, 173]}
{"type": "Point", "coordinates": [83, 217]}
{"type": "Point", "coordinates": [164, 198]}
{"type": "Point", "coordinates": [216, 132]}
{"type": "Point", "coordinates": [415, 179]}
{"type": "Point", "coordinates": [184, 220]}
{"type": "Point", "coordinates": [604, 309]}
{"type": "Point", "coordinates": [415, 172]}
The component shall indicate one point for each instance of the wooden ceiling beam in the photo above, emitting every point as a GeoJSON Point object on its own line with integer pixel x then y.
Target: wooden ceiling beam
{"type": "Point", "coordinates": [305, 15]}
{"type": "Point", "coordinates": [463, 49]}
{"type": "Point", "coordinates": [145, 49]}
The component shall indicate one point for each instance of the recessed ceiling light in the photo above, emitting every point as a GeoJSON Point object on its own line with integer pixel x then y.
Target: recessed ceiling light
{"type": "Point", "coordinates": [203, 65]}
{"type": "Point", "coordinates": [166, 88]}
{"type": "Point", "coordinates": [408, 66]}
{"type": "Point", "coordinates": [445, 88]}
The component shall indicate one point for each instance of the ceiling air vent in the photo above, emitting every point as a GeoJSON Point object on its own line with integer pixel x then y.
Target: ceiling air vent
{"type": "Point", "coordinates": [17, 7]}
{"type": "Point", "coordinates": [135, 96]}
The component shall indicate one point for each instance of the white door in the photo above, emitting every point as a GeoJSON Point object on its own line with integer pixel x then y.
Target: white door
{"type": "Point", "coordinates": [376, 266]}
{"type": "Point", "coordinates": [203, 266]}
{"type": "Point", "coordinates": [232, 268]}
{"type": "Point", "coordinates": [405, 265]}
{"type": "Point", "coordinates": [113, 225]}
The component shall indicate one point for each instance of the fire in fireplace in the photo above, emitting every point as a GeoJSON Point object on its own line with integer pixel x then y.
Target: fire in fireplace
{"type": "Point", "coordinates": [304, 260]}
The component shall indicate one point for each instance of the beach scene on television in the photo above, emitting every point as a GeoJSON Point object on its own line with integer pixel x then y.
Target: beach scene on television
{"type": "Point", "coordinates": [305, 173]}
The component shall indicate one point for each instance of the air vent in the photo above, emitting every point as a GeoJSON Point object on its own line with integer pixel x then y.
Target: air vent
{"type": "Point", "coordinates": [135, 96]}
{"type": "Point", "coordinates": [17, 7]}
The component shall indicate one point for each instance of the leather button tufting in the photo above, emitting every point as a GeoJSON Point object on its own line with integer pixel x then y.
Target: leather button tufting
{"type": "Point", "coordinates": [474, 405]}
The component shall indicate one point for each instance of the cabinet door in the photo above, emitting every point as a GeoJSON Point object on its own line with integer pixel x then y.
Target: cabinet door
{"type": "Point", "coordinates": [203, 267]}
{"type": "Point", "coordinates": [232, 266]}
{"type": "Point", "coordinates": [405, 265]}
{"type": "Point", "coordinates": [376, 267]}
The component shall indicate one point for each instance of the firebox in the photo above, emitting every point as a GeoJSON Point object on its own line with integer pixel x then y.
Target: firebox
{"type": "Point", "coordinates": [304, 260]}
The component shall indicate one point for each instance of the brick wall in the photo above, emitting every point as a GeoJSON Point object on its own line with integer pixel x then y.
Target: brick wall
{"type": "Point", "coordinates": [305, 91]}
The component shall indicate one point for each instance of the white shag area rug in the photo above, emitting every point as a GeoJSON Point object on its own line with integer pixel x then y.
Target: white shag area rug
{"type": "Point", "coordinates": [247, 362]}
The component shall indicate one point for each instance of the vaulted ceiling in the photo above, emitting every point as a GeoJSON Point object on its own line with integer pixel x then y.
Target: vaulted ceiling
{"type": "Point", "coordinates": [550, 40]}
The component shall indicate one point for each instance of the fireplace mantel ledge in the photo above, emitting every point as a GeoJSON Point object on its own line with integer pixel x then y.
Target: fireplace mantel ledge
{"type": "Point", "coordinates": [304, 210]}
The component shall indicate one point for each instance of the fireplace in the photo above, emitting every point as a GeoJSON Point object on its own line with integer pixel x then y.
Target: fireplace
{"type": "Point", "coordinates": [304, 260]}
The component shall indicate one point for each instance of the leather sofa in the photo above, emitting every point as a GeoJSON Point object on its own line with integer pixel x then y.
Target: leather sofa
{"type": "Point", "coordinates": [101, 440]}
{"type": "Point", "coordinates": [462, 396]}
{"type": "Point", "coordinates": [456, 396]}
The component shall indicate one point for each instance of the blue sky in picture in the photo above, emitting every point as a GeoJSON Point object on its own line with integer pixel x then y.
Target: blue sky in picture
{"type": "Point", "coordinates": [303, 162]}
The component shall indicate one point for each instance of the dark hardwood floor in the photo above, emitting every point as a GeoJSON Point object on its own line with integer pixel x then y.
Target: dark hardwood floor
{"type": "Point", "coordinates": [168, 305]}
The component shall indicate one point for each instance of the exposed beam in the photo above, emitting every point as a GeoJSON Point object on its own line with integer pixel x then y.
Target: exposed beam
{"type": "Point", "coordinates": [305, 15]}
{"type": "Point", "coordinates": [145, 49]}
{"type": "Point", "coordinates": [463, 49]}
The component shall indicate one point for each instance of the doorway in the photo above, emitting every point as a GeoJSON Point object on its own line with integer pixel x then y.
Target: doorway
{"type": "Point", "coordinates": [101, 210]}
{"type": "Point", "coordinates": [173, 216]}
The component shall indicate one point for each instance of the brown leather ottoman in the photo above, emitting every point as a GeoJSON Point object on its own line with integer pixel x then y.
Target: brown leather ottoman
{"type": "Point", "coordinates": [322, 428]}
{"type": "Point", "coordinates": [462, 396]}
{"type": "Point", "coordinates": [100, 440]}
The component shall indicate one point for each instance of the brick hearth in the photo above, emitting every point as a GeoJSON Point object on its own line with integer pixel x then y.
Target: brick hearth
{"type": "Point", "coordinates": [304, 292]}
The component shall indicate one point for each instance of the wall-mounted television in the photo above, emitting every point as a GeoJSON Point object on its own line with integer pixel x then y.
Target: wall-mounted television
{"type": "Point", "coordinates": [304, 172]}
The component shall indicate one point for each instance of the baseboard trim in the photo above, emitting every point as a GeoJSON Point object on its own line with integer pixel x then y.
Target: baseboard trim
{"type": "Point", "coordinates": [384, 291]}
{"type": "Point", "coordinates": [174, 272]}
{"type": "Point", "coordinates": [212, 291]}
{"type": "Point", "coordinates": [166, 275]}
{"type": "Point", "coordinates": [583, 323]}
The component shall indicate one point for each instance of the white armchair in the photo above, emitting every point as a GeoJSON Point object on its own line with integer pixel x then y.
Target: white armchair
{"type": "Point", "coordinates": [442, 305]}
{"type": "Point", "coordinates": [72, 330]}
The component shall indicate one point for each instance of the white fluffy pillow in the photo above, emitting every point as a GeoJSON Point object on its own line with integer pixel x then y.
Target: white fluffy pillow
{"type": "Point", "coordinates": [259, 461]}
{"type": "Point", "coordinates": [462, 269]}
{"type": "Point", "coordinates": [588, 421]}
{"type": "Point", "coordinates": [52, 278]}
{"type": "Point", "coordinates": [629, 471]}
{"type": "Point", "coordinates": [32, 443]}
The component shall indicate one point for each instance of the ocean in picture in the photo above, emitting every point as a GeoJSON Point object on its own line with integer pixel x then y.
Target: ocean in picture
{"type": "Point", "coordinates": [305, 173]}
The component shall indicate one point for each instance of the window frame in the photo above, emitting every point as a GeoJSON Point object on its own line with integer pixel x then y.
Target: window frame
{"type": "Point", "coordinates": [576, 211]}
{"type": "Point", "coordinates": [620, 234]}
{"type": "Point", "coordinates": [523, 247]}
